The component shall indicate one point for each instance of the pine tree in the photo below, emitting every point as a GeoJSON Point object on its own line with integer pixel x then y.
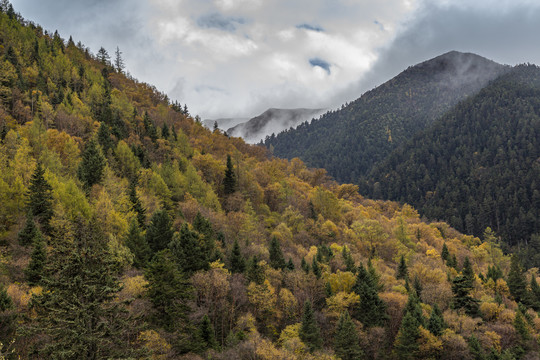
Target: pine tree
{"type": "Point", "coordinates": [414, 308]}
{"type": "Point", "coordinates": [277, 261]}
{"type": "Point", "coordinates": [165, 133]}
{"type": "Point", "coordinates": [138, 245]}
{"type": "Point", "coordinates": [417, 286]}
{"type": "Point", "coordinates": [445, 254]}
{"type": "Point", "coordinates": [28, 233]}
{"type": "Point", "coordinates": [169, 292]}
{"type": "Point", "coordinates": [406, 346]}
{"type": "Point", "coordinates": [494, 272]}
{"type": "Point", "coordinates": [103, 56]}
{"type": "Point", "coordinates": [237, 263]}
{"type": "Point", "coordinates": [229, 182]}
{"type": "Point", "coordinates": [476, 349]}
{"type": "Point", "coordinates": [521, 328]}
{"type": "Point", "coordinates": [92, 166]}
{"type": "Point", "coordinates": [535, 293]}
{"type": "Point", "coordinates": [8, 315]}
{"type": "Point", "coordinates": [136, 205]}
{"type": "Point", "coordinates": [348, 260]}
{"type": "Point", "coordinates": [517, 283]}
{"type": "Point", "coordinates": [39, 200]}
{"type": "Point", "coordinates": [76, 309]}
{"type": "Point", "coordinates": [346, 340]}
{"type": "Point", "coordinates": [204, 227]}
{"type": "Point", "coordinates": [205, 335]}
{"type": "Point", "coordinates": [5, 300]}
{"type": "Point", "coordinates": [372, 310]}
{"type": "Point", "coordinates": [290, 265]}
{"type": "Point", "coordinates": [309, 330]}
{"type": "Point", "coordinates": [402, 271]}
{"type": "Point", "coordinates": [104, 137]}
{"type": "Point", "coordinates": [304, 265]}
{"type": "Point", "coordinates": [118, 61]}
{"type": "Point", "coordinates": [436, 323]}
{"type": "Point", "coordinates": [189, 251]}
{"type": "Point", "coordinates": [316, 268]}
{"type": "Point", "coordinates": [159, 233]}
{"type": "Point", "coordinates": [38, 258]}
{"type": "Point", "coordinates": [255, 273]}
{"type": "Point", "coordinates": [462, 285]}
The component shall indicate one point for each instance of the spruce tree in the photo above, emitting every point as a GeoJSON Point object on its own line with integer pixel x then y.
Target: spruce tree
{"type": "Point", "coordinates": [372, 310]}
{"type": "Point", "coordinates": [169, 292]}
{"type": "Point", "coordinates": [277, 261]}
{"type": "Point", "coordinates": [203, 226]}
{"type": "Point", "coordinates": [165, 133]}
{"type": "Point", "coordinates": [461, 287]}
{"type": "Point", "coordinates": [229, 182]}
{"type": "Point", "coordinates": [436, 323]}
{"type": "Point", "coordinates": [316, 268]}
{"type": "Point", "coordinates": [406, 346]}
{"type": "Point", "coordinates": [136, 205]}
{"type": "Point", "coordinates": [535, 293]}
{"type": "Point", "coordinates": [28, 233]}
{"type": "Point", "coordinates": [5, 300]}
{"type": "Point", "coordinates": [309, 330]}
{"type": "Point", "coordinates": [402, 271]}
{"type": "Point", "coordinates": [39, 200]}
{"type": "Point", "coordinates": [476, 349]}
{"type": "Point", "coordinates": [76, 310]}
{"type": "Point", "coordinates": [346, 344]}
{"type": "Point", "coordinates": [8, 315]}
{"type": "Point", "coordinates": [414, 308]}
{"type": "Point", "coordinates": [206, 337]}
{"type": "Point", "coordinates": [159, 233]}
{"type": "Point", "coordinates": [38, 258]}
{"type": "Point", "coordinates": [189, 251]}
{"type": "Point", "coordinates": [445, 254]}
{"type": "Point", "coordinates": [494, 272]}
{"type": "Point", "coordinates": [138, 245]}
{"type": "Point", "coordinates": [237, 263]}
{"type": "Point", "coordinates": [348, 260]}
{"type": "Point", "coordinates": [417, 286]}
{"type": "Point", "coordinates": [290, 265]}
{"type": "Point", "coordinates": [104, 137]}
{"type": "Point", "coordinates": [304, 265]}
{"type": "Point", "coordinates": [255, 272]}
{"type": "Point", "coordinates": [517, 283]}
{"type": "Point", "coordinates": [92, 166]}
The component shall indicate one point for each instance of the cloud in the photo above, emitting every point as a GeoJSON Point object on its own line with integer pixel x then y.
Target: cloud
{"type": "Point", "coordinates": [320, 63]}
{"type": "Point", "coordinates": [218, 21]}
{"type": "Point", "coordinates": [310, 27]}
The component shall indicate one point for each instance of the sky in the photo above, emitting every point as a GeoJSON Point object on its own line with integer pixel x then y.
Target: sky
{"type": "Point", "coordinates": [237, 58]}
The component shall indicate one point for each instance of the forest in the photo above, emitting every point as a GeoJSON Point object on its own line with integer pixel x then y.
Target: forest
{"type": "Point", "coordinates": [130, 231]}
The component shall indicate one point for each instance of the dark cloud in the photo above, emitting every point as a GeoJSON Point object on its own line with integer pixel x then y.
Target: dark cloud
{"type": "Point", "coordinates": [219, 21]}
{"type": "Point", "coordinates": [320, 63]}
{"type": "Point", "coordinates": [316, 28]}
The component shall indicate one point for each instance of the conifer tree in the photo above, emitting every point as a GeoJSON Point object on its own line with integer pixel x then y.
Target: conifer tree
{"type": "Point", "coordinates": [8, 316]}
{"type": "Point", "coordinates": [189, 251]}
{"type": "Point", "coordinates": [104, 137]}
{"type": "Point", "coordinates": [476, 349]}
{"type": "Point", "coordinates": [229, 182]}
{"type": "Point", "coordinates": [348, 260]}
{"type": "Point", "coordinates": [237, 263]}
{"type": "Point", "coordinates": [406, 346]}
{"type": "Point", "coordinates": [169, 292]}
{"type": "Point", "coordinates": [534, 293]}
{"type": "Point", "coordinates": [290, 265]}
{"type": "Point", "coordinates": [436, 323]}
{"type": "Point", "coordinates": [39, 200]}
{"type": "Point", "coordinates": [316, 268]}
{"type": "Point", "coordinates": [346, 340]}
{"type": "Point", "coordinates": [304, 265]}
{"type": "Point", "coordinates": [206, 337]}
{"type": "Point", "coordinates": [309, 330]}
{"type": "Point", "coordinates": [445, 254]}
{"type": "Point", "coordinates": [34, 271]}
{"type": "Point", "coordinates": [414, 308]}
{"type": "Point", "coordinates": [5, 300]}
{"type": "Point", "coordinates": [159, 233]}
{"type": "Point", "coordinates": [75, 309]}
{"type": "Point", "coordinates": [417, 286]}
{"type": "Point", "coordinates": [462, 285]}
{"type": "Point", "coordinates": [136, 205]}
{"type": "Point", "coordinates": [92, 166]}
{"type": "Point", "coordinates": [516, 280]}
{"type": "Point", "coordinates": [118, 60]}
{"type": "Point", "coordinates": [277, 261]}
{"type": "Point", "coordinates": [138, 245]}
{"type": "Point", "coordinates": [28, 233]}
{"type": "Point", "coordinates": [372, 310]}
{"type": "Point", "coordinates": [204, 227]}
{"type": "Point", "coordinates": [165, 133]}
{"type": "Point", "coordinates": [402, 271]}
{"type": "Point", "coordinates": [255, 272]}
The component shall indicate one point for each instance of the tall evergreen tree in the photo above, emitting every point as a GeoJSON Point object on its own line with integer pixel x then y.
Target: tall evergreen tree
{"type": "Point", "coordinates": [39, 200]}
{"type": "Point", "coordinates": [277, 261]}
{"type": "Point", "coordinates": [304, 265]}
{"type": "Point", "coordinates": [229, 182]}
{"type": "Point", "coordinates": [104, 137]}
{"type": "Point", "coordinates": [237, 262]}
{"type": "Point", "coordinates": [445, 254]}
{"type": "Point", "coordinates": [76, 309]}
{"type": "Point", "coordinates": [38, 258]}
{"type": "Point", "coordinates": [255, 272]}
{"type": "Point", "coordinates": [348, 260]}
{"type": "Point", "coordinates": [476, 349]}
{"type": "Point", "coordinates": [28, 233]}
{"type": "Point", "coordinates": [402, 271]}
{"type": "Point", "coordinates": [189, 251]}
{"type": "Point", "coordinates": [372, 310]}
{"type": "Point", "coordinates": [136, 205]}
{"type": "Point", "coordinates": [414, 308]}
{"type": "Point", "coordinates": [461, 287]}
{"type": "Point", "coordinates": [517, 284]}
{"type": "Point", "coordinates": [203, 226]}
{"type": "Point", "coordinates": [138, 245]}
{"type": "Point", "coordinates": [316, 268]}
{"type": "Point", "coordinates": [159, 233]}
{"type": "Point", "coordinates": [436, 323]}
{"type": "Point", "coordinates": [118, 60]}
{"type": "Point", "coordinates": [534, 293]}
{"type": "Point", "coordinates": [346, 344]}
{"type": "Point", "coordinates": [309, 330]}
{"type": "Point", "coordinates": [406, 345]}
{"type": "Point", "coordinates": [206, 337]}
{"type": "Point", "coordinates": [92, 166]}
{"type": "Point", "coordinates": [169, 292]}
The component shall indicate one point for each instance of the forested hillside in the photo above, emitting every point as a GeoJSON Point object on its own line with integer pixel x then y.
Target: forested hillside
{"type": "Point", "coordinates": [128, 230]}
{"type": "Point", "coordinates": [348, 142]}
{"type": "Point", "coordinates": [478, 166]}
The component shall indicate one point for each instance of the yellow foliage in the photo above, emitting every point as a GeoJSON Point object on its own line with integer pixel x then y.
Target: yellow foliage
{"type": "Point", "coordinates": [491, 339]}
{"type": "Point", "coordinates": [21, 295]}
{"type": "Point", "coordinates": [490, 311]}
{"type": "Point", "coordinates": [132, 287]}
{"type": "Point", "coordinates": [156, 345]}
{"type": "Point", "coordinates": [432, 253]}
{"type": "Point", "coordinates": [342, 301]}
{"type": "Point", "coordinates": [341, 281]}
{"type": "Point", "coordinates": [429, 345]}
{"type": "Point", "coordinates": [262, 297]}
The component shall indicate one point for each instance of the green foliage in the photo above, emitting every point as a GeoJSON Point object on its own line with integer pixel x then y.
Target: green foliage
{"type": "Point", "coordinates": [205, 335]}
{"type": "Point", "coordinates": [414, 309]}
{"type": "Point", "coordinates": [462, 285]}
{"type": "Point", "coordinates": [372, 310]}
{"type": "Point", "coordinates": [38, 258]}
{"type": "Point", "coordinates": [406, 346]}
{"type": "Point", "coordinates": [136, 205]}
{"type": "Point", "coordinates": [316, 268]}
{"type": "Point", "coordinates": [159, 232]}
{"type": "Point", "coordinates": [138, 245]}
{"type": "Point", "coordinates": [309, 331]}
{"type": "Point", "coordinates": [277, 261]}
{"type": "Point", "coordinates": [92, 166]}
{"type": "Point", "coordinates": [229, 182]}
{"type": "Point", "coordinates": [517, 284]}
{"type": "Point", "coordinates": [255, 272]}
{"type": "Point", "coordinates": [40, 198]}
{"type": "Point", "coordinates": [476, 349]}
{"type": "Point", "coordinates": [445, 254]}
{"type": "Point", "coordinates": [237, 262]}
{"type": "Point", "coordinates": [436, 323]}
{"type": "Point", "coordinates": [494, 272]}
{"type": "Point", "coordinates": [5, 300]}
{"type": "Point", "coordinates": [346, 340]}
{"type": "Point", "coordinates": [402, 271]}
{"type": "Point", "coordinates": [189, 251]}
{"type": "Point", "coordinates": [29, 232]}
{"type": "Point", "coordinates": [349, 261]}
{"type": "Point", "coordinates": [304, 265]}
{"type": "Point", "coordinates": [104, 138]}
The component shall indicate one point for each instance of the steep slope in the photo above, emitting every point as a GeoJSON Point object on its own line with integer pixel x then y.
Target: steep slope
{"type": "Point", "coordinates": [119, 239]}
{"type": "Point", "coordinates": [223, 123]}
{"type": "Point", "coordinates": [349, 141]}
{"type": "Point", "coordinates": [272, 121]}
{"type": "Point", "coordinates": [479, 165]}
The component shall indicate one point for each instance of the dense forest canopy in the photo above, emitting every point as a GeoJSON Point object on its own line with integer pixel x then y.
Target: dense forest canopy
{"type": "Point", "coordinates": [128, 230]}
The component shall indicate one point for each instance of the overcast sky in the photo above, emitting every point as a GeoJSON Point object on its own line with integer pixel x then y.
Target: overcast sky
{"type": "Point", "coordinates": [236, 58]}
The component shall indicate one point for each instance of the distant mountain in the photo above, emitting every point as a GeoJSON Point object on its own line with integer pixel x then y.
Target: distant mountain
{"type": "Point", "coordinates": [272, 121]}
{"type": "Point", "coordinates": [479, 165]}
{"type": "Point", "coordinates": [223, 123]}
{"type": "Point", "coordinates": [348, 142]}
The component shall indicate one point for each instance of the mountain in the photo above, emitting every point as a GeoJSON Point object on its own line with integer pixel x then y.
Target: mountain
{"type": "Point", "coordinates": [272, 121]}
{"type": "Point", "coordinates": [223, 123]}
{"type": "Point", "coordinates": [130, 231]}
{"type": "Point", "coordinates": [348, 142]}
{"type": "Point", "coordinates": [479, 165]}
